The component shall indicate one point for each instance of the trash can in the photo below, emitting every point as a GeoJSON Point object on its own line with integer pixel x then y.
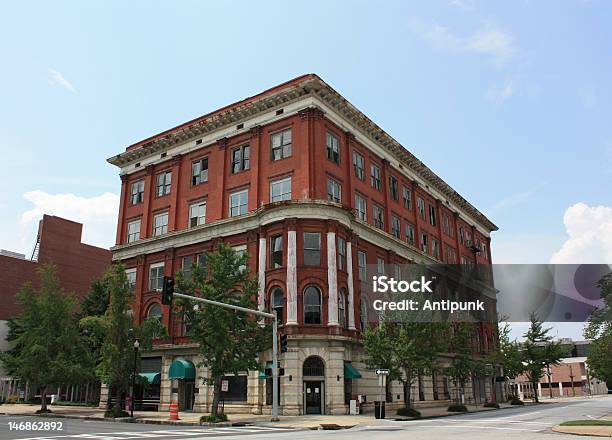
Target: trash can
{"type": "Point", "coordinates": [379, 409]}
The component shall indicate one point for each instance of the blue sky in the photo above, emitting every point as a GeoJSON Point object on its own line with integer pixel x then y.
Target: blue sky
{"type": "Point", "coordinates": [509, 102]}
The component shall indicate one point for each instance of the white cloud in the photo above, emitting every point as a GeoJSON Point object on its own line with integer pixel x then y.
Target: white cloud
{"type": "Point", "coordinates": [490, 41]}
{"type": "Point", "coordinates": [98, 214]}
{"type": "Point", "coordinates": [58, 78]}
{"type": "Point", "coordinates": [499, 93]}
{"type": "Point", "coordinates": [590, 235]}
{"type": "Point", "coordinates": [517, 198]}
{"type": "Point", "coordinates": [493, 42]}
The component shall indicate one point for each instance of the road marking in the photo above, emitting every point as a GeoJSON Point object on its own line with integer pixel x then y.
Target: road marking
{"type": "Point", "coordinates": [482, 427]}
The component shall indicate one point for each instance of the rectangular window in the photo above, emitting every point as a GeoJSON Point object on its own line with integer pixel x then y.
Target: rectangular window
{"type": "Point", "coordinates": [360, 208]}
{"type": "Point", "coordinates": [396, 227]}
{"type": "Point", "coordinates": [397, 271]}
{"type": "Point", "coordinates": [201, 260]}
{"type": "Point", "coordinates": [239, 203]}
{"type": "Point", "coordinates": [447, 226]}
{"type": "Point", "coordinates": [276, 251]}
{"type": "Point", "coordinates": [378, 216]}
{"type": "Point", "coordinates": [362, 264]}
{"type": "Point", "coordinates": [333, 148]}
{"type": "Point", "coordinates": [240, 251]}
{"type": "Point", "coordinates": [410, 234]}
{"type": "Point", "coordinates": [156, 276]}
{"type": "Point", "coordinates": [432, 215]}
{"type": "Point", "coordinates": [197, 214]}
{"type": "Point", "coordinates": [160, 224]}
{"type": "Point", "coordinates": [137, 192]}
{"type": "Point", "coordinates": [483, 251]}
{"type": "Point", "coordinates": [312, 249]}
{"type": "Point", "coordinates": [164, 184]}
{"type": "Point", "coordinates": [341, 254]}
{"type": "Point", "coordinates": [240, 159]}
{"type": "Point", "coordinates": [424, 243]}
{"type": "Point", "coordinates": [186, 263]}
{"type": "Point", "coordinates": [393, 188]}
{"type": "Point", "coordinates": [421, 207]}
{"type": "Point", "coordinates": [461, 235]}
{"type": "Point", "coordinates": [130, 274]}
{"type": "Point", "coordinates": [375, 177]}
{"type": "Point", "coordinates": [451, 255]}
{"type": "Point", "coordinates": [280, 190]}
{"type": "Point", "coordinates": [199, 171]}
{"type": "Point", "coordinates": [406, 197]}
{"type": "Point", "coordinates": [334, 191]}
{"type": "Point", "coordinates": [281, 145]}
{"type": "Point", "coordinates": [133, 231]}
{"type": "Point", "coordinates": [435, 250]}
{"type": "Point", "coordinates": [380, 266]}
{"type": "Point", "coordinates": [359, 165]}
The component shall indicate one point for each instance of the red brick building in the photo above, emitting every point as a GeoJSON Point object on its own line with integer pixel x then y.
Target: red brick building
{"type": "Point", "coordinates": [58, 242]}
{"type": "Point", "coordinates": [313, 191]}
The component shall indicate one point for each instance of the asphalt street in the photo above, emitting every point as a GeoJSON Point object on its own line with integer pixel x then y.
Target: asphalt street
{"type": "Point", "coordinates": [530, 422]}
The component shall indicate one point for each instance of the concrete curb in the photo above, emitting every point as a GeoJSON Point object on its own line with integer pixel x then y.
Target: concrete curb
{"type": "Point", "coordinates": [562, 430]}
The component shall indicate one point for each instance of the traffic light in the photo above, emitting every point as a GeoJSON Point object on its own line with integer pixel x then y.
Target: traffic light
{"type": "Point", "coordinates": [167, 291]}
{"type": "Point", "coordinates": [283, 343]}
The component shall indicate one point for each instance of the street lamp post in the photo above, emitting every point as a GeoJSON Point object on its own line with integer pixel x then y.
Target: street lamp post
{"type": "Point", "coordinates": [136, 346]}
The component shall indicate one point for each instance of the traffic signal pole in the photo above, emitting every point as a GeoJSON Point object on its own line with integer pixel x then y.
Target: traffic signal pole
{"type": "Point", "coordinates": [274, 340]}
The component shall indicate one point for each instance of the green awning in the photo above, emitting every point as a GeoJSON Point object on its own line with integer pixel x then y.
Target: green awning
{"type": "Point", "coordinates": [351, 372]}
{"type": "Point", "coordinates": [182, 369]}
{"type": "Point", "coordinates": [152, 378]}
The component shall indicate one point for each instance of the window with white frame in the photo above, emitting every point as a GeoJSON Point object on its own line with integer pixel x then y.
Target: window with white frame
{"type": "Point", "coordinates": [312, 248]}
{"type": "Point", "coordinates": [342, 308]}
{"type": "Point", "coordinates": [435, 250]}
{"type": "Point", "coordinates": [240, 158]}
{"type": "Point", "coordinates": [334, 191]}
{"type": "Point", "coordinates": [240, 251]}
{"type": "Point", "coordinates": [406, 197]}
{"type": "Point", "coordinates": [410, 234]}
{"type": "Point", "coordinates": [160, 224]}
{"type": "Point", "coordinates": [362, 264]}
{"type": "Point", "coordinates": [396, 227]}
{"type": "Point", "coordinates": [130, 274]}
{"type": "Point", "coordinates": [393, 187]}
{"type": "Point", "coordinates": [164, 184]}
{"type": "Point", "coordinates": [432, 215]}
{"type": "Point", "coordinates": [375, 176]}
{"type": "Point", "coordinates": [156, 276]}
{"type": "Point", "coordinates": [199, 171]}
{"type": "Point", "coordinates": [378, 216]}
{"type": "Point", "coordinates": [424, 242]}
{"type": "Point", "coordinates": [186, 263]}
{"type": "Point", "coordinates": [360, 208]}
{"type": "Point", "coordinates": [276, 251]}
{"type": "Point", "coordinates": [333, 148]}
{"type": "Point", "coordinates": [280, 190]}
{"type": "Point", "coordinates": [363, 316]}
{"type": "Point", "coordinates": [359, 165]}
{"type": "Point", "coordinates": [197, 214]}
{"type": "Point", "coordinates": [341, 254]}
{"type": "Point", "coordinates": [421, 207]}
{"type": "Point", "coordinates": [281, 144]}
{"type": "Point", "coordinates": [380, 266]}
{"type": "Point", "coordinates": [239, 203]}
{"type": "Point", "coordinates": [137, 192]}
{"type": "Point", "coordinates": [155, 311]}
{"type": "Point", "coordinates": [133, 231]}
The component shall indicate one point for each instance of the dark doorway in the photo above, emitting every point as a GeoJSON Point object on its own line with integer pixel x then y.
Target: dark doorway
{"type": "Point", "coordinates": [313, 391]}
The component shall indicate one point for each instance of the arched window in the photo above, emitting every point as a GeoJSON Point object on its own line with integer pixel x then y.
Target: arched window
{"type": "Point", "coordinates": [342, 308]}
{"type": "Point", "coordinates": [154, 311]}
{"type": "Point", "coordinates": [277, 303]}
{"type": "Point", "coordinates": [313, 366]}
{"type": "Point", "coordinates": [312, 305]}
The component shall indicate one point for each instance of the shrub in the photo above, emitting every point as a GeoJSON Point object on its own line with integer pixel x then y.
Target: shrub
{"type": "Point", "coordinates": [491, 405]}
{"type": "Point", "coordinates": [12, 399]}
{"type": "Point", "coordinates": [516, 401]}
{"type": "Point", "coordinates": [41, 411]}
{"type": "Point", "coordinates": [408, 412]}
{"type": "Point", "coordinates": [213, 419]}
{"type": "Point", "coordinates": [456, 407]}
{"type": "Point", "coordinates": [111, 414]}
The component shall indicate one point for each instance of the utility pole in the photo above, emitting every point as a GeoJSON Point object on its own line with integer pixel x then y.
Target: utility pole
{"type": "Point", "coordinates": [549, 374]}
{"type": "Point", "coordinates": [274, 341]}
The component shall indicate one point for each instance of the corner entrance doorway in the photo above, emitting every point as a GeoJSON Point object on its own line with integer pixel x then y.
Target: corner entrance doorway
{"type": "Point", "coordinates": [312, 391]}
{"type": "Point", "coordinates": [313, 372]}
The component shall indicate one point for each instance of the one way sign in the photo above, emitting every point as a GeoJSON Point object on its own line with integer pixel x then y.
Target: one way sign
{"type": "Point", "coordinates": [382, 371]}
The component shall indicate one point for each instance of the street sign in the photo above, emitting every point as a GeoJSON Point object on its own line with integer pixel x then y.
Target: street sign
{"type": "Point", "coordinates": [382, 371]}
{"type": "Point", "coordinates": [224, 385]}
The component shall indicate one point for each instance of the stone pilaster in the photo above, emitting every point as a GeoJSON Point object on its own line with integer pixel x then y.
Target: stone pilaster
{"type": "Point", "coordinates": [261, 299]}
{"type": "Point", "coordinates": [332, 280]}
{"type": "Point", "coordinates": [351, 288]}
{"type": "Point", "coordinates": [292, 307]}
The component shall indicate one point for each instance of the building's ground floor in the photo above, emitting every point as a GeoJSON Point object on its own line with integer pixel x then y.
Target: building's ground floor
{"type": "Point", "coordinates": [318, 375]}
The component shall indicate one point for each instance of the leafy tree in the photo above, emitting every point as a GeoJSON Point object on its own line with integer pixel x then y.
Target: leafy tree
{"type": "Point", "coordinates": [229, 341]}
{"type": "Point", "coordinates": [48, 348]}
{"type": "Point", "coordinates": [114, 333]}
{"type": "Point", "coordinates": [507, 351]}
{"type": "Point", "coordinates": [407, 349]}
{"type": "Point", "coordinates": [97, 300]}
{"type": "Point", "coordinates": [463, 363]}
{"type": "Point", "coordinates": [539, 351]}
{"type": "Point", "coordinates": [599, 330]}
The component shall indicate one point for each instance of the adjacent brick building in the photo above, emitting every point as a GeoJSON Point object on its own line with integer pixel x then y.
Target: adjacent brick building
{"type": "Point", "coordinates": [313, 191]}
{"type": "Point", "coordinates": [58, 242]}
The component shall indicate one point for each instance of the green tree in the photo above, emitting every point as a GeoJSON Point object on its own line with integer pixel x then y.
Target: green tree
{"type": "Point", "coordinates": [507, 351]}
{"type": "Point", "coordinates": [228, 341]}
{"type": "Point", "coordinates": [97, 300]}
{"type": "Point", "coordinates": [599, 330]}
{"type": "Point", "coordinates": [48, 349]}
{"type": "Point", "coordinates": [407, 349]}
{"type": "Point", "coordinates": [115, 332]}
{"type": "Point", "coordinates": [539, 351]}
{"type": "Point", "coordinates": [463, 362]}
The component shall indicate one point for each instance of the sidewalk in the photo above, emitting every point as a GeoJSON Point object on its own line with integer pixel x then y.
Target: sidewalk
{"type": "Point", "coordinates": [191, 418]}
